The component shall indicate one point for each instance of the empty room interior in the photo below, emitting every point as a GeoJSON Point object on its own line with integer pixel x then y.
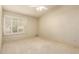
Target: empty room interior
{"type": "Point", "coordinates": [39, 29]}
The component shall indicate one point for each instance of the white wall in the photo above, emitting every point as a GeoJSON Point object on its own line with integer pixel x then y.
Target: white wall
{"type": "Point", "coordinates": [61, 25]}
{"type": "Point", "coordinates": [0, 26]}
{"type": "Point", "coordinates": [30, 27]}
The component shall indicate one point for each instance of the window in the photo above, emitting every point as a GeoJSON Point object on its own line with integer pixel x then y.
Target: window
{"type": "Point", "coordinates": [13, 25]}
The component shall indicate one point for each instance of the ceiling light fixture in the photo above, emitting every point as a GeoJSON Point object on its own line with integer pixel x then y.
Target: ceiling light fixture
{"type": "Point", "coordinates": [39, 8]}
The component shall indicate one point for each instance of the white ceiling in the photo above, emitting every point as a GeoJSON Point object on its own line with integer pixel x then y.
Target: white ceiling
{"type": "Point", "coordinates": [29, 9]}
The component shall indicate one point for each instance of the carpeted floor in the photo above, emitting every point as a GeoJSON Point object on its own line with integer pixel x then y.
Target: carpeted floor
{"type": "Point", "coordinates": [36, 45]}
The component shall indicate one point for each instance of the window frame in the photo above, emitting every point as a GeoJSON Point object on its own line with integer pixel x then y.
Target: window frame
{"type": "Point", "coordinates": [11, 24]}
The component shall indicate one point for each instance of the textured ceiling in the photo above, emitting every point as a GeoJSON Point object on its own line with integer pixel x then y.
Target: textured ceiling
{"type": "Point", "coordinates": [28, 9]}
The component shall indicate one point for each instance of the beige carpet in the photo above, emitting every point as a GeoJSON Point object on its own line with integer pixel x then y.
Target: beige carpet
{"type": "Point", "coordinates": [37, 45]}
